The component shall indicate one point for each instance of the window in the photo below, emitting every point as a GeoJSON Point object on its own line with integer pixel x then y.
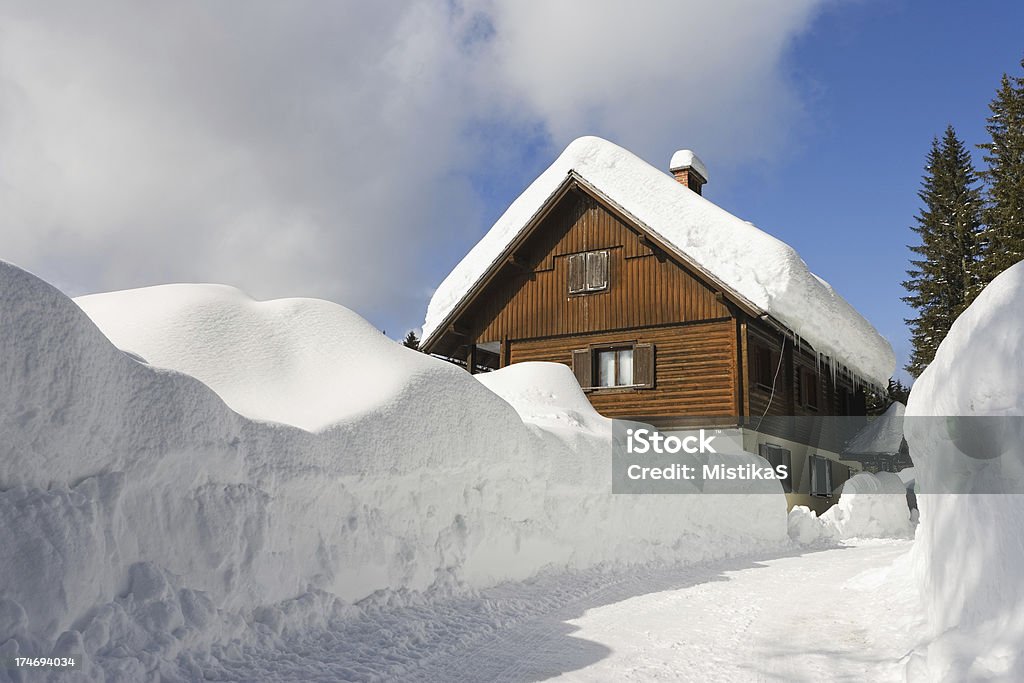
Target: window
{"type": "Point", "coordinates": [611, 367]}
{"type": "Point", "coordinates": [844, 401]}
{"type": "Point", "coordinates": [763, 367]}
{"type": "Point", "coordinates": [777, 455]}
{"type": "Point", "coordinates": [615, 368]}
{"type": "Point", "coordinates": [809, 388]}
{"type": "Point", "coordinates": [588, 272]}
{"type": "Point", "coordinates": [821, 476]}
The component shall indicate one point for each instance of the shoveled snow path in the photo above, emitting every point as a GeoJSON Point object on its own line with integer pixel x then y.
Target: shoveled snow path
{"type": "Point", "coordinates": [841, 614]}
{"type": "Point", "coordinates": [844, 614]}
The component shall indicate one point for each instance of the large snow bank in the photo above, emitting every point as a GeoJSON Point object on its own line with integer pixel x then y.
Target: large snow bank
{"type": "Point", "coordinates": [970, 545]}
{"type": "Point", "coordinates": [149, 528]}
{"type": "Point", "coordinates": [764, 270]}
{"type": "Point", "coordinates": [871, 506]}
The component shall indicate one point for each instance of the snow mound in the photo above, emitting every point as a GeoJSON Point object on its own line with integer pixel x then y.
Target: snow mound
{"type": "Point", "coordinates": [303, 362]}
{"type": "Point", "coordinates": [806, 528]}
{"type": "Point", "coordinates": [970, 544]}
{"type": "Point", "coordinates": [546, 394]}
{"type": "Point", "coordinates": [908, 475]}
{"type": "Point", "coordinates": [871, 506]}
{"type": "Point", "coordinates": [154, 531]}
{"type": "Point", "coordinates": [765, 271]}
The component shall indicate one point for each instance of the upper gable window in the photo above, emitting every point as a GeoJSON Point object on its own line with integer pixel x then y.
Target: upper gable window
{"type": "Point", "coordinates": [588, 272]}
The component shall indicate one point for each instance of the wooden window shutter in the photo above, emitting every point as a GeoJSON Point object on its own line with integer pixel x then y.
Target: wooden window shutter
{"type": "Point", "coordinates": [597, 270]}
{"type": "Point", "coordinates": [577, 273]}
{"type": "Point", "coordinates": [583, 367]}
{"type": "Point", "coordinates": [643, 365]}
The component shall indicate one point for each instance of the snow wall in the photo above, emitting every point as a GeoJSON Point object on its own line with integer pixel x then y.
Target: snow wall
{"type": "Point", "coordinates": [969, 553]}
{"type": "Point", "coordinates": [146, 524]}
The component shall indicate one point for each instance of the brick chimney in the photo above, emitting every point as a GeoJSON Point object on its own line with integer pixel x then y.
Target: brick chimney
{"type": "Point", "coordinates": [689, 170]}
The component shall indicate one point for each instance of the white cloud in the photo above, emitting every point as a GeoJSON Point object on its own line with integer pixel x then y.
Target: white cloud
{"type": "Point", "coordinates": [323, 148]}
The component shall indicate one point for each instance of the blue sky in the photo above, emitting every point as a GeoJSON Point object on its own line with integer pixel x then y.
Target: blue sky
{"type": "Point", "coordinates": [356, 151]}
{"type": "Point", "coordinates": [877, 82]}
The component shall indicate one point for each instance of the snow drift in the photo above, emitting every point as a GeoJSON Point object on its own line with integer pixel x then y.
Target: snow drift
{"type": "Point", "coordinates": [147, 527]}
{"type": "Point", "coordinates": [760, 268]}
{"type": "Point", "coordinates": [296, 361]}
{"type": "Point", "coordinates": [970, 544]}
{"type": "Point", "coordinates": [870, 505]}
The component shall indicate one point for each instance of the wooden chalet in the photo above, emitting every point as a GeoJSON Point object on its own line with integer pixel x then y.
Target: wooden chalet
{"type": "Point", "coordinates": [650, 333]}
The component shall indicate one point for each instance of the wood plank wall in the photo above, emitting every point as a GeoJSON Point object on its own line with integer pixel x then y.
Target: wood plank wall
{"type": "Point", "coordinates": [695, 369]}
{"type": "Point", "coordinates": [644, 290]}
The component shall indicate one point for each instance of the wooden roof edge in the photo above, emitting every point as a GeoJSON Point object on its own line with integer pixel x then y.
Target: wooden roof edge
{"type": "Point", "coordinates": [574, 179]}
{"type": "Point", "coordinates": [542, 211]}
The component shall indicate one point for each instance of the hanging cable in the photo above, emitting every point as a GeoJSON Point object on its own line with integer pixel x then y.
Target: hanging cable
{"type": "Point", "coordinates": [771, 396]}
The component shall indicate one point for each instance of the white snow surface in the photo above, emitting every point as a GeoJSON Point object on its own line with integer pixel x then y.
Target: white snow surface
{"type": "Point", "coordinates": [294, 361]}
{"type": "Point", "coordinates": [871, 506]}
{"type": "Point", "coordinates": [806, 528]}
{"type": "Point", "coordinates": [546, 394]}
{"type": "Point", "coordinates": [760, 268]}
{"type": "Point", "coordinates": [154, 532]}
{"type": "Point", "coordinates": [970, 543]}
{"type": "Point", "coordinates": [883, 435]}
{"type": "Point", "coordinates": [685, 158]}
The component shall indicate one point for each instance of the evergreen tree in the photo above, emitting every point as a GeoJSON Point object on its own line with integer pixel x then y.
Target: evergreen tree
{"type": "Point", "coordinates": [411, 341]}
{"type": "Point", "coordinates": [1004, 211]}
{"type": "Point", "coordinates": [945, 279]}
{"type": "Point", "coordinates": [879, 401]}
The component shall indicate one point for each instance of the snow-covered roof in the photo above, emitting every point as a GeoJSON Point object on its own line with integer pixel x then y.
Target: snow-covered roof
{"type": "Point", "coordinates": [760, 269]}
{"type": "Point", "coordinates": [685, 158]}
{"type": "Point", "coordinates": [881, 436]}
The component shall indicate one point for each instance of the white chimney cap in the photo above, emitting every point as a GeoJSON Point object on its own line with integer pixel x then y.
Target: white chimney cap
{"type": "Point", "coordinates": [685, 158]}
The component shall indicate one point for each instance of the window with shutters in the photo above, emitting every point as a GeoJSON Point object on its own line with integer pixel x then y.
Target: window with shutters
{"type": "Point", "coordinates": [776, 456]}
{"type": "Point", "coordinates": [588, 272]}
{"type": "Point", "coordinates": [620, 366]}
{"type": "Point", "coordinates": [821, 476]}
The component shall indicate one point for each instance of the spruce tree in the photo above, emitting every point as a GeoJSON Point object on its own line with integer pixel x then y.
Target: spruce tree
{"type": "Point", "coordinates": [1004, 210]}
{"type": "Point", "coordinates": [411, 341]}
{"type": "Point", "coordinates": [945, 279]}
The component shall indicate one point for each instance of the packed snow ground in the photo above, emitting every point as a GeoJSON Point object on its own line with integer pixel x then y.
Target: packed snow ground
{"type": "Point", "coordinates": [839, 614]}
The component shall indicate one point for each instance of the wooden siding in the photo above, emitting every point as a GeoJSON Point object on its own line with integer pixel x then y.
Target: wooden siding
{"type": "Point", "coordinates": [694, 369]}
{"type": "Point", "coordinates": [531, 299]}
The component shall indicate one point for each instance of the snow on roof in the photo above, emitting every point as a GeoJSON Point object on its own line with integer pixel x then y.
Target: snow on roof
{"type": "Point", "coordinates": [765, 271]}
{"type": "Point", "coordinates": [881, 436]}
{"type": "Point", "coordinates": [685, 158]}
